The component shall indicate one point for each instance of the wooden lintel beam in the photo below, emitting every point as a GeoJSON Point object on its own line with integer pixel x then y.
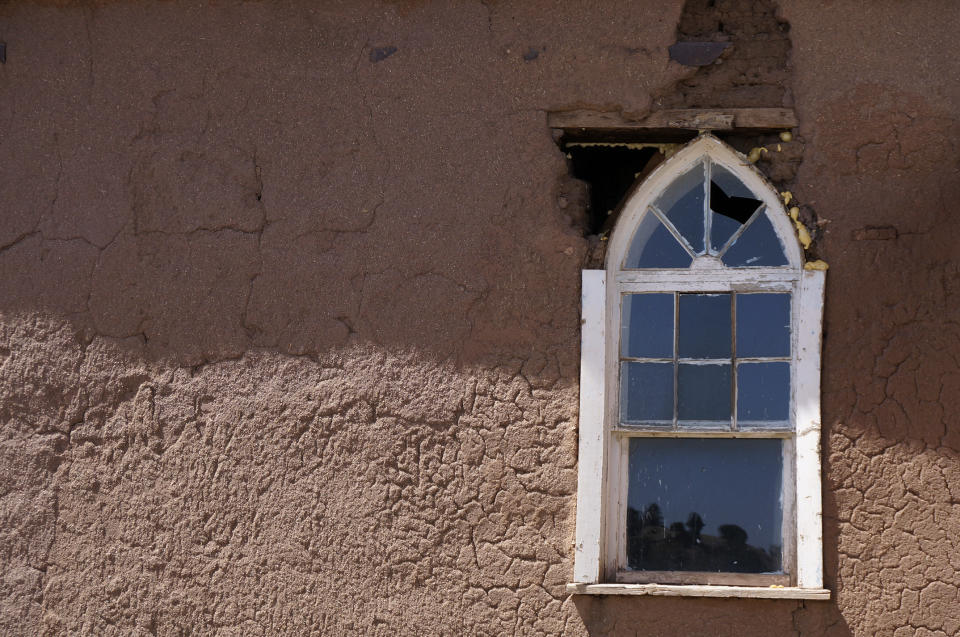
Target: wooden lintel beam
{"type": "Point", "coordinates": [693, 119]}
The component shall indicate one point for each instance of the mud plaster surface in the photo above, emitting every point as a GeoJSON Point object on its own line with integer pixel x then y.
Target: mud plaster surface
{"type": "Point", "coordinates": [289, 336]}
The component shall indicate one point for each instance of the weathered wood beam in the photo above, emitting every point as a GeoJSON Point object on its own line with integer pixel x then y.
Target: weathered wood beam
{"type": "Point", "coordinates": [691, 119]}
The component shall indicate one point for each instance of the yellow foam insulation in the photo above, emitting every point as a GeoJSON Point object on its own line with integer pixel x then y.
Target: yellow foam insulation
{"type": "Point", "coordinates": [816, 265]}
{"type": "Point", "coordinates": [665, 149]}
{"type": "Point", "coordinates": [802, 233]}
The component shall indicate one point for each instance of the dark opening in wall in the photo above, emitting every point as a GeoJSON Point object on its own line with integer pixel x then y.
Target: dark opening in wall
{"type": "Point", "coordinates": [606, 163]}
{"type": "Point", "coordinates": [609, 170]}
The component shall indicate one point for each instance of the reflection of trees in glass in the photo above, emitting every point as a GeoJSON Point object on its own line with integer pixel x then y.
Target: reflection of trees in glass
{"type": "Point", "coordinates": [695, 525]}
{"type": "Point", "coordinates": [653, 546]}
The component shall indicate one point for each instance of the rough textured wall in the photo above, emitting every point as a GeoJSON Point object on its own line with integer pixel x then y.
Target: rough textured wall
{"type": "Point", "coordinates": [879, 114]}
{"type": "Point", "coordinates": [752, 71]}
{"type": "Point", "coordinates": [289, 315]}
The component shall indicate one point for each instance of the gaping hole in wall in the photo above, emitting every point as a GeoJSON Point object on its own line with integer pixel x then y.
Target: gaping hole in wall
{"type": "Point", "coordinates": [605, 165]}
{"type": "Point", "coordinates": [609, 171]}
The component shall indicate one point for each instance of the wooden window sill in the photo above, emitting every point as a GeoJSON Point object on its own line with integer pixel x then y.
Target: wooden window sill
{"type": "Point", "coordinates": [677, 590]}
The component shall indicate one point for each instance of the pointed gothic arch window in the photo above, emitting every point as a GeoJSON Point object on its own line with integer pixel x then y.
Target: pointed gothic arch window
{"type": "Point", "coordinates": [699, 423]}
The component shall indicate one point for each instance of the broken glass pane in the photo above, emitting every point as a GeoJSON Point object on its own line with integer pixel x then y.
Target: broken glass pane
{"type": "Point", "coordinates": [653, 246]}
{"type": "Point", "coordinates": [703, 394]}
{"type": "Point", "coordinates": [704, 326]}
{"type": "Point", "coordinates": [646, 393]}
{"type": "Point", "coordinates": [704, 504]}
{"type": "Point", "coordinates": [647, 326]}
{"type": "Point", "coordinates": [731, 205]}
{"type": "Point", "coordinates": [763, 393]}
{"type": "Point", "coordinates": [731, 184]}
{"type": "Point", "coordinates": [682, 203]}
{"type": "Point", "coordinates": [763, 325]}
{"type": "Point", "coordinates": [758, 246]}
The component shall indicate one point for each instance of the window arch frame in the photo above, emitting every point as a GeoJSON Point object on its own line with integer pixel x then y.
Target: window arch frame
{"type": "Point", "coordinates": [599, 548]}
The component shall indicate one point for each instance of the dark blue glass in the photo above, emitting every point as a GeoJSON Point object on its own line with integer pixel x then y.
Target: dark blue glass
{"type": "Point", "coordinates": [703, 394]}
{"type": "Point", "coordinates": [646, 393]}
{"type": "Point", "coordinates": [763, 325]}
{"type": "Point", "coordinates": [704, 326]}
{"type": "Point", "coordinates": [700, 504]}
{"type": "Point", "coordinates": [763, 393]}
{"type": "Point", "coordinates": [647, 326]}
{"type": "Point", "coordinates": [652, 246]}
{"type": "Point", "coordinates": [758, 246]}
{"type": "Point", "coordinates": [683, 205]}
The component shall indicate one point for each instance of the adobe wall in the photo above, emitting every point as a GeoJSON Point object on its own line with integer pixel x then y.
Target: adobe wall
{"type": "Point", "coordinates": [289, 319]}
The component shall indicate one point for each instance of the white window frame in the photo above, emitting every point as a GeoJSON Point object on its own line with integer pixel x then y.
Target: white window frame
{"type": "Point", "coordinates": [601, 490]}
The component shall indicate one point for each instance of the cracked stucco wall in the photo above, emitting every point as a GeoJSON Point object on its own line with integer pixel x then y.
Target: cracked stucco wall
{"type": "Point", "coordinates": [289, 318]}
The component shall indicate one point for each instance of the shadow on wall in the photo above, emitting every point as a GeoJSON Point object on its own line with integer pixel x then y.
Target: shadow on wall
{"type": "Point", "coordinates": [301, 284]}
{"type": "Point", "coordinates": [611, 615]}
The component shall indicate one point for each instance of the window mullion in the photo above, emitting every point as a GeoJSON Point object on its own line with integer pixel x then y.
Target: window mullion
{"type": "Point", "coordinates": [733, 370]}
{"type": "Point", "coordinates": [676, 364]}
{"type": "Point", "coordinates": [707, 217]}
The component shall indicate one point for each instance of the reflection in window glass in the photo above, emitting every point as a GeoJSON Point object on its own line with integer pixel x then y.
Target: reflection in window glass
{"type": "Point", "coordinates": [758, 246]}
{"type": "Point", "coordinates": [652, 246]}
{"type": "Point", "coordinates": [647, 326]}
{"type": "Point", "coordinates": [704, 505]}
{"type": "Point", "coordinates": [683, 204]}
{"type": "Point", "coordinates": [763, 325]}
{"type": "Point", "coordinates": [763, 393]}
{"type": "Point", "coordinates": [646, 393]}
{"type": "Point", "coordinates": [703, 394]}
{"type": "Point", "coordinates": [704, 326]}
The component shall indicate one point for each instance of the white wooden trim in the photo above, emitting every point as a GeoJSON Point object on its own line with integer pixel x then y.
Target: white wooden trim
{"type": "Point", "coordinates": [638, 432]}
{"type": "Point", "coordinates": [615, 485]}
{"type": "Point", "coordinates": [702, 578]}
{"type": "Point", "coordinates": [788, 503]}
{"type": "Point", "coordinates": [708, 281]}
{"type": "Point", "coordinates": [590, 500]}
{"type": "Point", "coordinates": [807, 401]}
{"type": "Point", "coordinates": [620, 498]}
{"type": "Point", "coordinates": [692, 590]}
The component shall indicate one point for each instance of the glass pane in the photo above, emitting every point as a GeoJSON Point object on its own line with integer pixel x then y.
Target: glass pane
{"type": "Point", "coordinates": [654, 247]}
{"type": "Point", "coordinates": [682, 203]}
{"type": "Point", "coordinates": [731, 205]}
{"type": "Point", "coordinates": [731, 184]}
{"type": "Point", "coordinates": [646, 393]}
{"type": "Point", "coordinates": [703, 394]}
{"type": "Point", "coordinates": [763, 393]}
{"type": "Point", "coordinates": [647, 326]}
{"type": "Point", "coordinates": [704, 326]}
{"type": "Point", "coordinates": [704, 505]}
{"type": "Point", "coordinates": [758, 246]}
{"type": "Point", "coordinates": [763, 325]}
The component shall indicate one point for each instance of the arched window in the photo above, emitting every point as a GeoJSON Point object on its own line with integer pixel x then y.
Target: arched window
{"type": "Point", "coordinates": [699, 424]}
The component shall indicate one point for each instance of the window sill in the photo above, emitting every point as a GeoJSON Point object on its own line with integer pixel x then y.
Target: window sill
{"type": "Point", "coordinates": [676, 590]}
